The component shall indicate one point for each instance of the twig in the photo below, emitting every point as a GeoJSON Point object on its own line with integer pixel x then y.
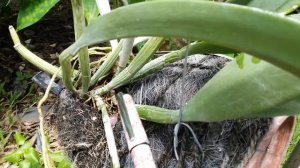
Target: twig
{"type": "Point", "coordinates": [47, 162]}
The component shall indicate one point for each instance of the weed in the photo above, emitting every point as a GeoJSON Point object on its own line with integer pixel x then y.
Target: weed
{"type": "Point", "coordinates": [23, 77]}
{"type": "Point", "coordinates": [26, 154]}
{"type": "Point", "coordinates": [14, 95]}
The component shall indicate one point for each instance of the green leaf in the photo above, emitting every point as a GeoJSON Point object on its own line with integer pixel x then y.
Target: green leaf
{"type": "Point", "coordinates": [18, 153]}
{"type": "Point", "coordinates": [239, 29]}
{"type": "Point", "coordinates": [90, 10]}
{"type": "Point", "coordinates": [25, 164]}
{"type": "Point", "coordinates": [257, 90]}
{"type": "Point", "coordinates": [25, 147]}
{"type": "Point", "coordinates": [271, 5]}
{"type": "Point", "coordinates": [13, 157]}
{"type": "Point", "coordinates": [31, 155]}
{"type": "Point", "coordinates": [32, 11]}
{"type": "Point", "coordinates": [20, 139]}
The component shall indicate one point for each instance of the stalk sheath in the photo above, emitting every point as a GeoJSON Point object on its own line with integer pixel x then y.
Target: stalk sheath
{"type": "Point", "coordinates": [107, 64]}
{"type": "Point", "coordinates": [84, 61]}
{"type": "Point", "coordinates": [157, 114]}
{"type": "Point", "coordinates": [125, 53]}
{"type": "Point", "coordinates": [138, 62]}
{"type": "Point", "coordinates": [160, 62]}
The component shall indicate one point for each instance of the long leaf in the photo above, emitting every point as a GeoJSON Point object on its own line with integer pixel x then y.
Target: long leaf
{"type": "Point", "coordinates": [222, 24]}
{"type": "Point", "coordinates": [257, 90]}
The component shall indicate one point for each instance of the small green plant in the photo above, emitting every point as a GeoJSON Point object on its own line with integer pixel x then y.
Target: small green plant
{"type": "Point", "coordinates": [23, 77]}
{"type": "Point", "coordinates": [14, 96]}
{"type": "Point", "coordinates": [26, 155]}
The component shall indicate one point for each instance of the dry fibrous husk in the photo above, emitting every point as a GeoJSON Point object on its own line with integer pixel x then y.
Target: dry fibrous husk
{"type": "Point", "coordinates": [224, 144]}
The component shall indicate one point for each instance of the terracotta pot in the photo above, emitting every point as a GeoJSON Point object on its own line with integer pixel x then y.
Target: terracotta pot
{"type": "Point", "coordinates": [273, 146]}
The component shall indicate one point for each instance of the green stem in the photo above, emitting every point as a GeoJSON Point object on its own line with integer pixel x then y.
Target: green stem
{"type": "Point", "coordinates": [157, 114]}
{"type": "Point", "coordinates": [160, 62]}
{"type": "Point", "coordinates": [31, 57]}
{"type": "Point", "coordinates": [138, 62]}
{"type": "Point", "coordinates": [65, 62]}
{"type": "Point", "coordinates": [84, 61]}
{"type": "Point", "coordinates": [107, 64]}
{"type": "Point", "coordinates": [125, 53]}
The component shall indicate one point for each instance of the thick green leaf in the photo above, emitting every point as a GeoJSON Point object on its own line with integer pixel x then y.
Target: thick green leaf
{"type": "Point", "coordinates": [222, 24]}
{"type": "Point", "coordinates": [32, 11]}
{"type": "Point", "coordinates": [31, 155]}
{"type": "Point", "coordinates": [257, 90]}
{"type": "Point", "coordinates": [90, 10]}
{"type": "Point", "coordinates": [20, 139]}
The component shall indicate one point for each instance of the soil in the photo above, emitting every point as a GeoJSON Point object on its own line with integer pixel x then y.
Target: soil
{"type": "Point", "coordinates": [79, 129]}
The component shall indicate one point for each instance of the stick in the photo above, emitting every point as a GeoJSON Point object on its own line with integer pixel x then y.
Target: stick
{"type": "Point", "coordinates": [47, 162]}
